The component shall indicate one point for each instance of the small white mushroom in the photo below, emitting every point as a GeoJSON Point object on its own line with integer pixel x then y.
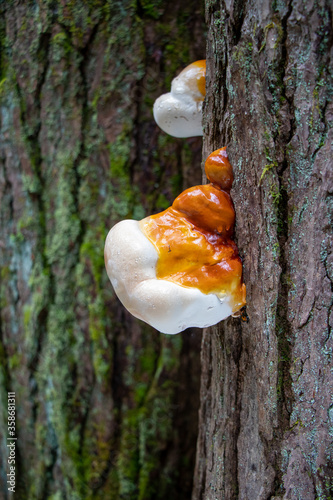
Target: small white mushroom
{"type": "Point", "coordinates": [130, 260]}
{"type": "Point", "coordinates": [179, 112]}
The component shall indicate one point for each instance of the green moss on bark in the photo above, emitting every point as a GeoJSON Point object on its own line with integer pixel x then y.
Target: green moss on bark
{"type": "Point", "coordinates": [98, 388]}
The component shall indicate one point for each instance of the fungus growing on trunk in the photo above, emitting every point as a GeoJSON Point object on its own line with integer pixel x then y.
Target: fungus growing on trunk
{"type": "Point", "coordinates": [181, 268]}
{"type": "Point", "coordinates": [179, 112]}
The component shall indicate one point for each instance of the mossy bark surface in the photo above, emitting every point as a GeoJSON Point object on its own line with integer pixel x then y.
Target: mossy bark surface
{"type": "Point", "coordinates": [266, 396]}
{"type": "Point", "coordinates": [106, 406]}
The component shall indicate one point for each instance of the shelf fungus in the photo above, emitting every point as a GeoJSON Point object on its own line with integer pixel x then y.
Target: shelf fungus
{"type": "Point", "coordinates": [181, 268]}
{"type": "Point", "coordinates": [179, 112]}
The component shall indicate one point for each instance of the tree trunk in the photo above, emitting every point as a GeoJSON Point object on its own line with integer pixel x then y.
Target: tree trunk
{"type": "Point", "coordinates": [266, 393]}
{"type": "Point", "coordinates": [106, 407]}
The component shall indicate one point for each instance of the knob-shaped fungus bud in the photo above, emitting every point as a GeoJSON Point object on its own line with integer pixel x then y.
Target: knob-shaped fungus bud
{"type": "Point", "coordinates": [179, 112]}
{"type": "Point", "coordinates": [181, 268]}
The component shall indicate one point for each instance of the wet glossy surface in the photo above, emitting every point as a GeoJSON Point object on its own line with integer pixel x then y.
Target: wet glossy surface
{"type": "Point", "coordinates": [218, 169]}
{"type": "Point", "coordinates": [193, 236]}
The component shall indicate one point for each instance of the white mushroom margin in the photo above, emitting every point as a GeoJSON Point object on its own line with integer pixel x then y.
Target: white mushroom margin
{"type": "Point", "coordinates": [130, 260]}
{"type": "Point", "coordinates": [179, 112]}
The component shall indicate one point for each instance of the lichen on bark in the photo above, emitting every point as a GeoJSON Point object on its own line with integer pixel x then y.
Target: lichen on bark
{"type": "Point", "coordinates": [265, 429]}
{"type": "Point", "coordinates": [100, 397]}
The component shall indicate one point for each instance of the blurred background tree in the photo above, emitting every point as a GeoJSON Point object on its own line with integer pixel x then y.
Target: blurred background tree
{"type": "Point", "coordinates": [106, 406]}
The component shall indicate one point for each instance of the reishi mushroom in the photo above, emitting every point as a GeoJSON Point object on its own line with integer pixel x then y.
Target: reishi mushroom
{"type": "Point", "coordinates": [179, 112]}
{"type": "Point", "coordinates": [181, 268]}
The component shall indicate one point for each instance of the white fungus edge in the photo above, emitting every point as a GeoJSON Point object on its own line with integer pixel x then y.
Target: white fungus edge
{"type": "Point", "coordinates": [179, 116]}
{"type": "Point", "coordinates": [179, 112]}
{"type": "Point", "coordinates": [130, 260]}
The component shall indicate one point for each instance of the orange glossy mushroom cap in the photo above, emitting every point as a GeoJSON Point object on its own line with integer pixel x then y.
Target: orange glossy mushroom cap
{"type": "Point", "coordinates": [208, 208]}
{"type": "Point", "coordinates": [219, 170]}
{"type": "Point", "coordinates": [193, 237]}
{"type": "Point", "coordinates": [181, 268]}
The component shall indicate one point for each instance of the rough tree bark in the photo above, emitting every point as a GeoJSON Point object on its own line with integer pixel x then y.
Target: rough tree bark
{"type": "Point", "coordinates": [106, 407]}
{"type": "Point", "coordinates": [266, 395]}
